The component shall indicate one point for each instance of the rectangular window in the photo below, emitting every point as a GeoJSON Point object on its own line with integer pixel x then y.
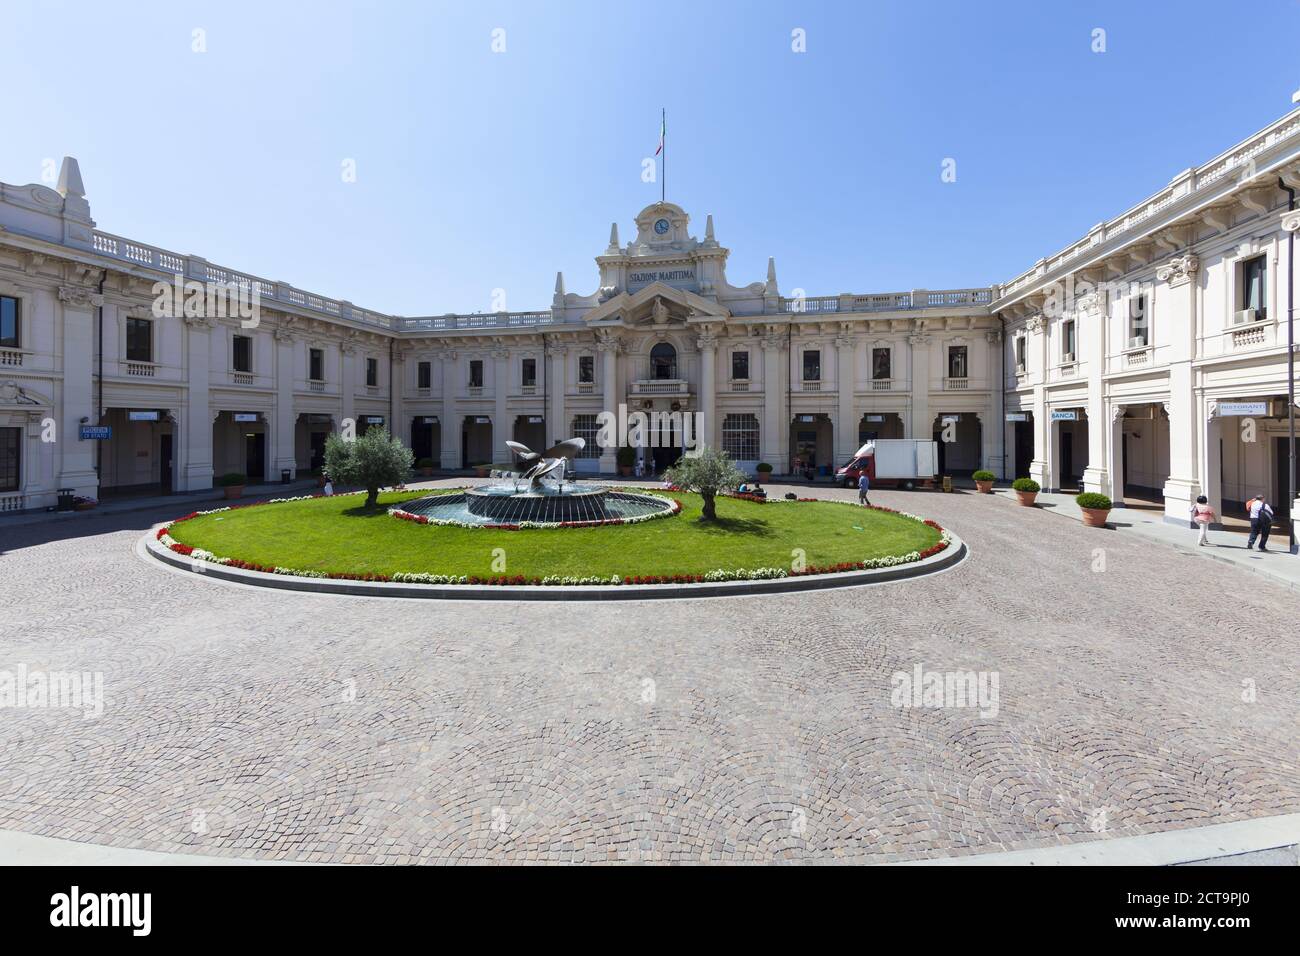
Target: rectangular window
{"type": "Point", "coordinates": [424, 375]}
{"type": "Point", "coordinates": [1067, 341]}
{"type": "Point", "coordinates": [241, 357]}
{"type": "Point", "coordinates": [316, 359]}
{"type": "Point", "coordinates": [1137, 322]}
{"type": "Point", "coordinates": [529, 372]}
{"type": "Point", "coordinates": [740, 366]}
{"type": "Point", "coordinates": [740, 437]}
{"type": "Point", "coordinates": [957, 361]}
{"type": "Point", "coordinates": [372, 373]}
{"type": "Point", "coordinates": [9, 331]}
{"type": "Point", "coordinates": [1252, 287]}
{"type": "Point", "coordinates": [881, 363]}
{"type": "Point", "coordinates": [139, 340]}
{"type": "Point", "coordinates": [476, 373]}
{"type": "Point", "coordinates": [586, 369]}
{"type": "Point", "coordinates": [588, 427]}
{"type": "Point", "coordinates": [812, 365]}
{"type": "Point", "coordinates": [11, 451]}
{"type": "Point", "coordinates": [1021, 352]}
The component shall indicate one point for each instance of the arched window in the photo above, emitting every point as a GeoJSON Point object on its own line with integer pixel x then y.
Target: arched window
{"type": "Point", "coordinates": [663, 361]}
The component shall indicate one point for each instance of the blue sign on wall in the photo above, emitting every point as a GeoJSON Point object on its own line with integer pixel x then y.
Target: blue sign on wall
{"type": "Point", "coordinates": [96, 432]}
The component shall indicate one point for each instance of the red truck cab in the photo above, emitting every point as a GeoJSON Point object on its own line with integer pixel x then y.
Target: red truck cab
{"type": "Point", "coordinates": [849, 474]}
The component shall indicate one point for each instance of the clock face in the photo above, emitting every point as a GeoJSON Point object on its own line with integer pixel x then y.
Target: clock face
{"type": "Point", "coordinates": [661, 226]}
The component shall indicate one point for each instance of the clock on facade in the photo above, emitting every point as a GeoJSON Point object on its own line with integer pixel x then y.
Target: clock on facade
{"type": "Point", "coordinates": [661, 226]}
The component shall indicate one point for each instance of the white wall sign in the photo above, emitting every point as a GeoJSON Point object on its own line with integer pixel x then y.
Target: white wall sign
{"type": "Point", "coordinates": [1017, 416]}
{"type": "Point", "coordinates": [142, 416]}
{"type": "Point", "coordinates": [1059, 415]}
{"type": "Point", "coordinates": [1243, 408]}
{"type": "Point", "coordinates": [245, 416]}
{"type": "Point", "coordinates": [374, 419]}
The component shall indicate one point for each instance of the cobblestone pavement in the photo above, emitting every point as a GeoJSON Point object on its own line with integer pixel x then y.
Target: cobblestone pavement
{"type": "Point", "coordinates": [1139, 690]}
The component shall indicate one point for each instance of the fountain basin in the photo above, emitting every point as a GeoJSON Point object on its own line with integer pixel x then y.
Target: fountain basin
{"type": "Point", "coordinates": [496, 505]}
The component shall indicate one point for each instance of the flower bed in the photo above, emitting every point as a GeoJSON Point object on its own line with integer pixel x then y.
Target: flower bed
{"type": "Point", "coordinates": [673, 508]}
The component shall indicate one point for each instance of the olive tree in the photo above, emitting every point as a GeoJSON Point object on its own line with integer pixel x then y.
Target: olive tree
{"type": "Point", "coordinates": [706, 473]}
{"type": "Point", "coordinates": [371, 461]}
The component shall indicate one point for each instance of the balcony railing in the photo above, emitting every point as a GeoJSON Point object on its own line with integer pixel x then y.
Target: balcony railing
{"type": "Point", "coordinates": [11, 357]}
{"type": "Point", "coordinates": [140, 369]}
{"type": "Point", "coordinates": [490, 320]}
{"type": "Point", "coordinates": [886, 302]}
{"type": "Point", "coordinates": [956, 384]}
{"type": "Point", "coordinates": [11, 502]}
{"type": "Point", "coordinates": [882, 384]}
{"type": "Point", "coordinates": [242, 378]}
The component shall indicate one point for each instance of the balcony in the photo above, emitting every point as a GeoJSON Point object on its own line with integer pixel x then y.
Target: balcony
{"type": "Point", "coordinates": [961, 384]}
{"type": "Point", "coordinates": [242, 378]}
{"type": "Point", "coordinates": [659, 386]}
{"type": "Point", "coordinates": [882, 384]}
{"type": "Point", "coordinates": [1138, 357]}
{"type": "Point", "coordinates": [141, 369]}
{"type": "Point", "coordinates": [11, 357]}
{"type": "Point", "coordinates": [740, 385]}
{"type": "Point", "coordinates": [810, 385]}
{"type": "Point", "coordinates": [316, 386]}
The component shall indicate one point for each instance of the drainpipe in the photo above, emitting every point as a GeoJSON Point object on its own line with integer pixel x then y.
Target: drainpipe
{"type": "Point", "coordinates": [99, 400]}
{"type": "Point", "coordinates": [1290, 367]}
{"type": "Point", "coordinates": [1002, 405]}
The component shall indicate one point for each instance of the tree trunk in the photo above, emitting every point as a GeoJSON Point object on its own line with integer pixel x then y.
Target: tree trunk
{"type": "Point", "coordinates": [372, 496]}
{"type": "Point", "coordinates": [708, 513]}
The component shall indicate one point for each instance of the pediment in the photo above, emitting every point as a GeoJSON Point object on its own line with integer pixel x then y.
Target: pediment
{"type": "Point", "coordinates": [656, 304]}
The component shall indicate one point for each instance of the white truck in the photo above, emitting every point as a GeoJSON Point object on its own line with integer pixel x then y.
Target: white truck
{"type": "Point", "coordinates": [902, 462]}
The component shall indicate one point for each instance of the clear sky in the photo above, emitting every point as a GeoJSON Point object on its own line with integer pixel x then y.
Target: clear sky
{"type": "Point", "coordinates": [478, 170]}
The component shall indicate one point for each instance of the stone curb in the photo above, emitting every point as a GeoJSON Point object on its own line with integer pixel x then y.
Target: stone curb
{"type": "Point", "coordinates": [949, 557]}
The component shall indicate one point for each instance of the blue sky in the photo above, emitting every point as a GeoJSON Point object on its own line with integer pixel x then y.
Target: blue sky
{"type": "Point", "coordinates": [478, 170]}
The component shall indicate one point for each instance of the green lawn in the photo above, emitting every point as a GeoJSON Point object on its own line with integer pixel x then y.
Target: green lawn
{"type": "Point", "coordinates": [339, 535]}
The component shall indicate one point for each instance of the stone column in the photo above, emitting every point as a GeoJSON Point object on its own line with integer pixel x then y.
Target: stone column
{"type": "Point", "coordinates": [710, 427]}
{"type": "Point", "coordinates": [556, 383]}
{"type": "Point", "coordinates": [1212, 461]}
{"type": "Point", "coordinates": [1040, 468]}
{"type": "Point", "coordinates": [348, 382]}
{"type": "Point", "coordinates": [1185, 428]}
{"type": "Point", "coordinates": [502, 428]}
{"type": "Point", "coordinates": [396, 386]}
{"type": "Point", "coordinates": [608, 348]}
{"type": "Point", "coordinates": [846, 432]}
{"type": "Point", "coordinates": [284, 424]}
{"type": "Point", "coordinates": [775, 433]}
{"type": "Point", "coordinates": [994, 422]}
{"type": "Point", "coordinates": [194, 429]}
{"type": "Point", "coordinates": [450, 421]}
{"type": "Point", "coordinates": [921, 426]}
{"type": "Point", "coordinates": [1115, 454]}
{"type": "Point", "coordinates": [76, 463]}
{"type": "Point", "coordinates": [1094, 321]}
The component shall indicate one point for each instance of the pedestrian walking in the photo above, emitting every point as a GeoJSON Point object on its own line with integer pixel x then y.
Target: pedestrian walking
{"type": "Point", "coordinates": [1261, 521]}
{"type": "Point", "coordinates": [864, 485]}
{"type": "Point", "coordinates": [1202, 516]}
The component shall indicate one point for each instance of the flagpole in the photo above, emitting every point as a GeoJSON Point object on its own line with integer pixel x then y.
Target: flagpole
{"type": "Point", "coordinates": [663, 166]}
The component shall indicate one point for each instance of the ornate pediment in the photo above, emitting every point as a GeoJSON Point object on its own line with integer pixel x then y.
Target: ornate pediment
{"type": "Point", "coordinates": [657, 305]}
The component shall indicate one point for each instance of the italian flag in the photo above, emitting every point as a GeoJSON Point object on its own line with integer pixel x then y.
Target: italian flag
{"type": "Point", "coordinates": [663, 128]}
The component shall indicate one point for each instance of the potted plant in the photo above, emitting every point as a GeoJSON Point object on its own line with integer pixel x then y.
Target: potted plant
{"type": "Point", "coordinates": [483, 469]}
{"type": "Point", "coordinates": [1026, 490]}
{"type": "Point", "coordinates": [233, 483]}
{"type": "Point", "coordinates": [764, 471]}
{"type": "Point", "coordinates": [626, 457]}
{"type": "Point", "coordinates": [83, 503]}
{"type": "Point", "coordinates": [984, 481]}
{"type": "Point", "coordinates": [1095, 508]}
{"type": "Point", "coordinates": [426, 467]}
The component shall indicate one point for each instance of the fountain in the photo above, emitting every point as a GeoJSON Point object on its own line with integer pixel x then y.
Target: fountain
{"type": "Point", "coordinates": [537, 493]}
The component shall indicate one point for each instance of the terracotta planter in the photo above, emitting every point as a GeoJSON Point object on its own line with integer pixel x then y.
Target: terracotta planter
{"type": "Point", "coordinates": [764, 476]}
{"type": "Point", "coordinates": [625, 471]}
{"type": "Point", "coordinates": [482, 472]}
{"type": "Point", "coordinates": [234, 491]}
{"type": "Point", "coordinates": [1027, 498]}
{"type": "Point", "coordinates": [83, 506]}
{"type": "Point", "coordinates": [426, 472]}
{"type": "Point", "coordinates": [984, 487]}
{"type": "Point", "coordinates": [1095, 517]}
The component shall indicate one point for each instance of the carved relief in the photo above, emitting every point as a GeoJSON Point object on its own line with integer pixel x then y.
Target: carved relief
{"type": "Point", "coordinates": [1179, 270]}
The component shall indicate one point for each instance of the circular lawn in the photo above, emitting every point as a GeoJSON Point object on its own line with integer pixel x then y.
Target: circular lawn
{"type": "Point", "coordinates": [339, 537]}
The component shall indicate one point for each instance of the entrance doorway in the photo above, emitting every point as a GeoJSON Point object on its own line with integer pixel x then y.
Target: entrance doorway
{"type": "Point", "coordinates": [1023, 438]}
{"type": "Point", "coordinates": [255, 456]}
{"type": "Point", "coordinates": [166, 464]}
{"type": "Point", "coordinates": [811, 448]}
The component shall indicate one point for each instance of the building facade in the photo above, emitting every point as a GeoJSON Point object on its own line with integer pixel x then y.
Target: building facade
{"type": "Point", "coordinates": [1149, 359]}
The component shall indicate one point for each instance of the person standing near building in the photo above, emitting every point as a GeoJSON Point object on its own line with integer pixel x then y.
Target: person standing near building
{"type": "Point", "coordinates": [864, 485]}
{"type": "Point", "coordinates": [1202, 515]}
{"type": "Point", "coordinates": [1261, 521]}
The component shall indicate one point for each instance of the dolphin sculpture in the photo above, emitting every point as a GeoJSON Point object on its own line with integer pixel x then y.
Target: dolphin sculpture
{"type": "Point", "coordinates": [536, 466]}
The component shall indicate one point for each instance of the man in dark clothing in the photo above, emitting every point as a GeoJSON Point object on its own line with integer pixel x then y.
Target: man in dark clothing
{"type": "Point", "coordinates": [1261, 520]}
